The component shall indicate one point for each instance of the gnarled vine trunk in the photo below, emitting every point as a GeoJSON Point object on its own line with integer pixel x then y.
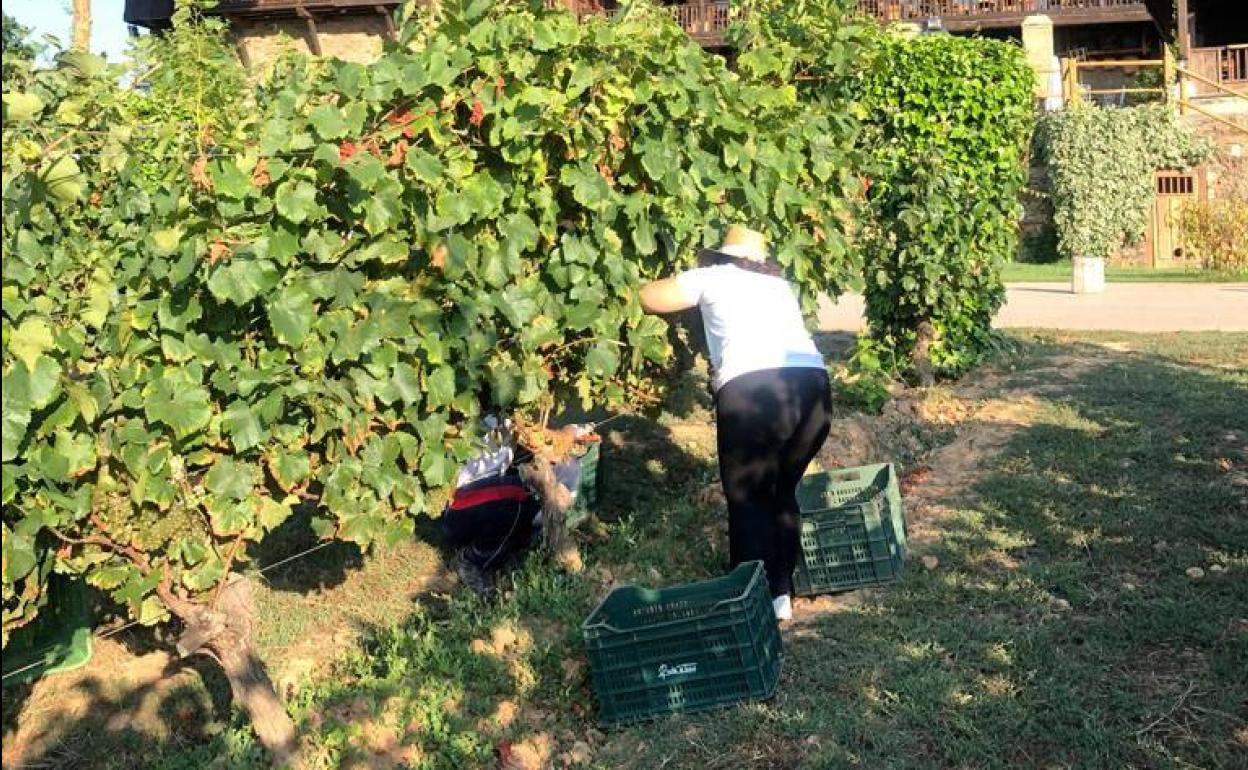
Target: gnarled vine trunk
{"type": "Point", "coordinates": [222, 631]}
{"type": "Point", "coordinates": [921, 358]}
{"type": "Point", "coordinates": [556, 500]}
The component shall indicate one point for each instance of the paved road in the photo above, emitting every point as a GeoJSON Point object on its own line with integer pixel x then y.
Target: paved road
{"type": "Point", "coordinates": [1132, 307]}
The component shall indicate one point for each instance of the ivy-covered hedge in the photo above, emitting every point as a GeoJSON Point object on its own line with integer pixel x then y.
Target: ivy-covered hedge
{"type": "Point", "coordinates": [1101, 162]}
{"type": "Point", "coordinates": [947, 122]}
{"type": "Point", "coordinates": [206, 326]}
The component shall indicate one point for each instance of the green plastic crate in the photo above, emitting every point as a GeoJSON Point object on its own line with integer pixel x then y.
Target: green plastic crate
{"type": "Point", "coordinates": [587, 490]}
{"type": "Point", "coordinates": [853, 530]}
{"type": "Point", "coordinates": [58, 640]}
{"type": "Point", "coordinates": [683, 649]}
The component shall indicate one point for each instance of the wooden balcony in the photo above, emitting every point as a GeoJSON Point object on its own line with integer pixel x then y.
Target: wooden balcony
{"type": "Point", "coordinates": [970, 15]}
{"type": "Point", "coordinates": [706, 22]}
{"type": "Point", "coordinates": [1227, 66]}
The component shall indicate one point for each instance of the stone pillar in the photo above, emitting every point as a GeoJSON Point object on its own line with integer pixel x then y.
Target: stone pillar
{"type": "Point", "coordinates": [1038, 45]}
{"type": "Point", "coordinates": [1088, 275]}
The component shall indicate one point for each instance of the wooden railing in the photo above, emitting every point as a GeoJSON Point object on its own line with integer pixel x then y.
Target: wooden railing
{"type": "Point", "coordinates": [581, 8]}
{"type": "Point", "coordinates": [1227, 66]}
{"type": "Point", "coordinates": [705, 22]}
{"type": "Point", "coordinates": [1235, 64]}
{"type": "Point", "coordinates": [1074, 90]}
{"type": "Point", "coordinates": [920, 10]}
{"type": "Point", "coordinates": [1189, 83]}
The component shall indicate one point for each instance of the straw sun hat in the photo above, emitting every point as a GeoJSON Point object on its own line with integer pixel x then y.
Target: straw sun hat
{"type": "Point", "coordinates": [741, 242]}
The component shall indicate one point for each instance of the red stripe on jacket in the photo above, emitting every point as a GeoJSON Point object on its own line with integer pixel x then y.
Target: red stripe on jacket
{"type": "Point", "coordinates": [489, 495]}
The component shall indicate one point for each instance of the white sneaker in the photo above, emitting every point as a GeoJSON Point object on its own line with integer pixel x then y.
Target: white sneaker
{"type": "Point", "coordinates": [783, 606]}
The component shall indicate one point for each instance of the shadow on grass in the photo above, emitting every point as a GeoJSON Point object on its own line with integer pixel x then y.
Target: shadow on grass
{"type": "Point", "coordinates": [329, 567]}
{"type": "Point", "coordinates": [151, 711]}
{"type": "Point", "coordinates": [443, 681]}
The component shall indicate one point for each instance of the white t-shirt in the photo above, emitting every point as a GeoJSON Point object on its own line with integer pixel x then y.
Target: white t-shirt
{"type": "Point", "coordinates": [752, 321]}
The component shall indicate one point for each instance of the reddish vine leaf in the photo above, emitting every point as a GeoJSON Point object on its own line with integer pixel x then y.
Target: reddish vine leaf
{"type": "Point", "coordinates": [400, 118]}
{"type": "Point", "coordinates": [217, 251]}
{"type": "Point", "coordinates": [398, 154]}
{"type": "Point", "coordinates": [199, 173]}
{"type": "Point", "coordinates": [260, 174]}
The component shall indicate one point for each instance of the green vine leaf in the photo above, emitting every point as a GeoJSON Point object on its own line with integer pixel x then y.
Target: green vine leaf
{"type": "Point", "coordinates": [30, 340]}
{"type": "Point", "coordinates": [296, 201]}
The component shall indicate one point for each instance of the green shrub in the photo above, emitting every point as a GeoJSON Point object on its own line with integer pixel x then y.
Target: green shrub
{"type": "Point", "coordinates": [865, 379]}
{"type": "Point", "coordinates": [946, 122]}
{"type": "Point", "coordinates": [1101, 162]}
{"type": "Point", "coordinates": [1217, 231]}
{"type": "Point", "coordinates": [1147, 77]}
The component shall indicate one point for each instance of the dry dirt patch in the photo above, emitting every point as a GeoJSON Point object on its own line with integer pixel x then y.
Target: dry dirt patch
{"type": "Point", "coordinates": [944, 441]}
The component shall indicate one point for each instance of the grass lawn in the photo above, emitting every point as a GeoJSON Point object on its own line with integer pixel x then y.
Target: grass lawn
{"type": "Point", "coordinates": [1022, 272]}
{"type": "Point", "coordinates": [1060, 497]}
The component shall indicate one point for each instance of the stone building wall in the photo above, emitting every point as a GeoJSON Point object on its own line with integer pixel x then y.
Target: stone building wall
{"type": "Point", "coordinates": [357, 37]}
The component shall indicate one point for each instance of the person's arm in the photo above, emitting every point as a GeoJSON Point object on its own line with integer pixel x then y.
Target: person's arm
{"type": "Point", "coordinates": [670, 295]}
{"type": "Point", "coordinates": [664, 296]}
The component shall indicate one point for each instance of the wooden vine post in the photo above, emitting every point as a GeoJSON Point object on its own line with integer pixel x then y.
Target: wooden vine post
{"type": "Point", "coordinates": [82, 25]}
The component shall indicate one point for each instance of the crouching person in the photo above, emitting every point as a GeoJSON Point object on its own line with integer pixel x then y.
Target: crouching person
{"type": "Point", "coordinates": [492, 517]}
{"type": "Point", "coordinates": [492, 522]}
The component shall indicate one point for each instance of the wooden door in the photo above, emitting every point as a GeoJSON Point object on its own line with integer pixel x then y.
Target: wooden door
{"type": "Point", "coordinates": [1173, 190]}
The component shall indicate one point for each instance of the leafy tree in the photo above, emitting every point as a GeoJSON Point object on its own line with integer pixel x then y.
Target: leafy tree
{"type": "Point", "coordinates": [17, 39]}
{"type": "Point", "coordinates": [819, 47]}
{"type": "Point", "coordinates": [947, 121]}
{"type": "Point", "coordinates": [943, 124]}
{"type": "Point", "coordinates": [19, 52]}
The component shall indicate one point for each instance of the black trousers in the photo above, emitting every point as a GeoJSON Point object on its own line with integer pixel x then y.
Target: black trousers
{"type": "Point", "coordinates": [771, 423]}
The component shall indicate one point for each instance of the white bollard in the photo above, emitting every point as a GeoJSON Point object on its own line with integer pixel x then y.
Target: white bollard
{"type": "Point", "coordinates": [1088, 276]}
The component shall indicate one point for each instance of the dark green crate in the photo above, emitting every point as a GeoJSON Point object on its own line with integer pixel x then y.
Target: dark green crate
{"type": "Point", "coordinates": [58, 640]}
{"type": "Point", "coordinates": [683, 649]}
{"type": "Point", "coordinates": [587, 490]}
{"type": "Point", "coordinates": [853, 530]}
